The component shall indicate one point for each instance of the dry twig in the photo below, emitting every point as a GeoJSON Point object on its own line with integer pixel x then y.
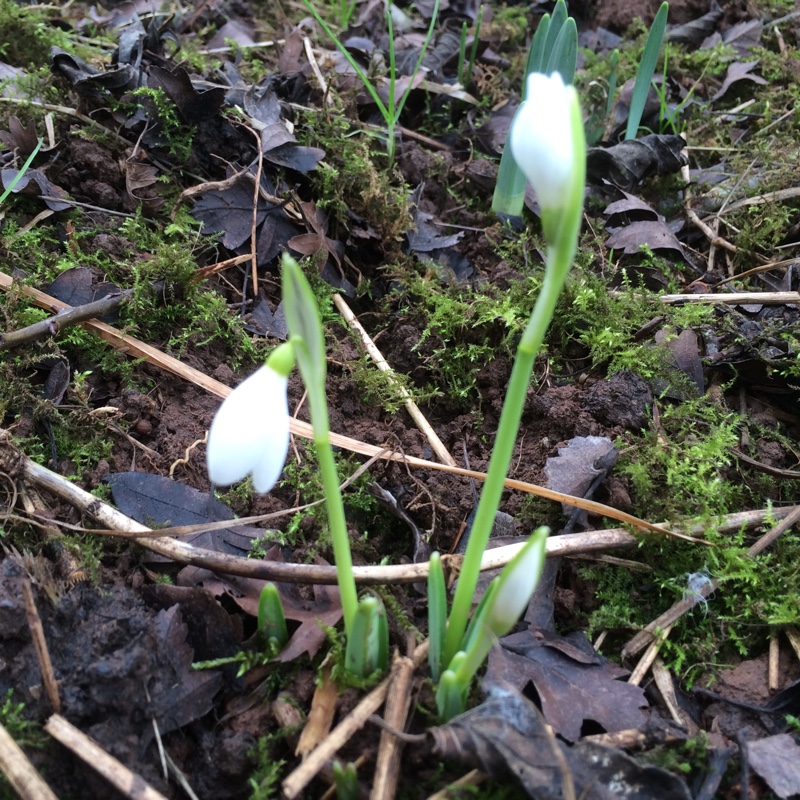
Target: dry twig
{"type": "Point", "coordinates": [21, 774]}
{"type": "Point", "coordinates": [128, 783]}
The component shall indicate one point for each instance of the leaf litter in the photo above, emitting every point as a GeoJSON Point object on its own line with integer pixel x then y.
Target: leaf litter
{"type": "Point", "coordinates": [146, 650]}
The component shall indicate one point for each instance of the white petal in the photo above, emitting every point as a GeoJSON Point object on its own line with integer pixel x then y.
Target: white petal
{"type": "Point", "coordinates": [541, 139]}
{"type": "Point", "coordinates": [515, 590]}
{"type": "Point", "coordinates": [250, 432]}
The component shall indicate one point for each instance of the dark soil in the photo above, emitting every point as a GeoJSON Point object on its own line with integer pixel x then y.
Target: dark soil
{"type": "Point", "coordinates": [121, 639]}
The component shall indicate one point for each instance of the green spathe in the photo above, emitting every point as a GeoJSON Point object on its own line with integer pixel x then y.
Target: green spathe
{"type": "Point", "coordinates": [281, 359]}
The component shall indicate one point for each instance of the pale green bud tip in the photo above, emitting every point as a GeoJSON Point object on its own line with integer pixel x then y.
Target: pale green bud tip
{"type": "Point", "coordinates": [288, 262]}
{"type": "Point", "coordinates": [250, 432]}
{"type": "Point", "coordinates": [281, 359]}
{"type": "Point", "coordinates": [545, 142]}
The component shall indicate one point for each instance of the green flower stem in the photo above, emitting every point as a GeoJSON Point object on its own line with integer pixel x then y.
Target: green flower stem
{"type": "Point", "coordinates": [558, 264]}
{"type": "Point", "coordinates": [335, 506]}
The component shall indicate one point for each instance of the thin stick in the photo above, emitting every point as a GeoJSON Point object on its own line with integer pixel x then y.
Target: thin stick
{"type": "Point", "coordinates": [138, 349]}
{"type": "Point", "coordinates": [297, 781]}
{"type": "Point", "coordinates": [793, 635]}
{"type": "Point", "coordinates": [256, 188]}
{"type": "Point", "coordinates": [387, 768]}
{"type": "Point", "coordinates": [21, 774]}
{"type": "Point", "coordinates": [734, 298]}
{"type": "Point", "coordinates": [768, 197]}
{"type": "Point", "coordinates": [185, 553]}
{"type": "Point", "coordinates": [649, 657]}
{"type": "Point", "coordinates": [774, 681]}
{"type": "Point", "coordinates": [473, 778]}
{"type": "Point", "coordinates": [663, 679]}
{"type": "Point", "coordinates": [673, 614]}
{"type": "Point", "coordinates": [383, 365]}
{"type": "Point", "coordinates": [52, 326]}
{"type": "Point", "coordinates": [89, 751]}
{"type": "Point", "coordinates": [569, 544]}
{"type": "Point", "coordinates": [40, 646]}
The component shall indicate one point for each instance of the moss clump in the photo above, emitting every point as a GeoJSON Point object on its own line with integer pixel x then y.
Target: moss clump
{"type": "Point", "coordinates": [26, 35]}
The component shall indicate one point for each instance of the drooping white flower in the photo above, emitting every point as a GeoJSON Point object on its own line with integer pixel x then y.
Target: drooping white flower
{"type": "Point", "coordinates": [516, 585]}
{"type": "Point", "coordinates": [548, 144]}
{"type": "Point", "coordinates": [250, 433]}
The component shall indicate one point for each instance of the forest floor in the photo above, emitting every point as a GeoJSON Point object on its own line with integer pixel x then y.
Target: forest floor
{"type": "Point", "coordinates": [667, 393]}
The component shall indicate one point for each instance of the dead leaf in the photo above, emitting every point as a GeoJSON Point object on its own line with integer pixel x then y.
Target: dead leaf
{"type": "Point", "coordinates": [76, 287]}
{"type": "Point", "coordinates": [264, 322]}
{"type": "Point", "coordinates": [88, 80]}
{"type": "Point", "coordinates": [572, 689]}
{"type": "Point", "coordinates": [626, 164]}
{"type": "Point", "coordinates": [34, 183]}
{"type": "Point", "coordinates": [212, 631]}
{"type": "Point", "coordinates": [278, 143]}
{"type": "Point", "coordinates": [193, 106]}
{"type": "Point", "coordinates": [692, 33]}
{"type": "Point", "coordinates": [229, 212]}
{"type": "Point", "coordinates": [239, 31]}
{"type": "Point", "coordinates": [578, 465]}
{"type": "Point", "coordinates": [23, 140]}
{"type": "Point", "coordinates": [316, 241]}
{"type": "Point", "coordinates": [506, 737]}
{"type": "Point", "coordinates": [654, 233]}
{"type": "Point", "coordinates": [685, 352]}
{"type": "Point", "coordinates": [324, 608]}
{"type": "Point", "coordinates": [634, 208]}
{"type": "Point", "coordinates": [187, 694]}
{"type": "Point", "coordinates": [739, 71]}
{"type": "Point", "coordinates": [776, 759]}
{"type": "Point", "coordinates": [156, 500]}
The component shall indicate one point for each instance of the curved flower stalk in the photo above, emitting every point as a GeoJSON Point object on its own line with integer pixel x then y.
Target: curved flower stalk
{"type": "Point", "coordinates": [250, 432]}
{"type": "Point", "coordinates": [548, 143]}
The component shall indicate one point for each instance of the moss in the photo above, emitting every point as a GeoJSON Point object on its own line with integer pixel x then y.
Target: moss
{"type": "Point", "coordinates": [26, 35]}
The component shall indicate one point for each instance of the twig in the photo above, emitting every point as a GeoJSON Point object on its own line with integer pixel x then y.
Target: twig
{"type": "Point", "coordinates": [89, 751]}
{"type": "Point", "coordinates": [793, 635]}
{"type": "Point", "coordinates": [138, 349]}
{"type": "Point", "coordinates": [21, 774]}
{"type": "Point", "coordinates": [52, 326]}
{"type": "Point", "coordinates": [40, 646]}
{"type": "Point", "coordinates": [297, 781]}
{"type": "Point", "coordinates": [254, 222]}
{"type": "Point", "coordinates": [672, 615]}
{"type": "Point", "coordinates": [387, 767]}
{"type": "Point", "coordinates": [383, 365]}
{"type": "Point", "coordinates": [312, 61]}
{"type": "Point", "coordinates": [646, 661]}
{"type": "Point", "coordinates": [16, 464]}
{"type": "Point", "coordinates": [473, 778]}
{"type": "Point", "coordinates": [734, 298]}
{"type": "Point", "coordinates": [185, 553]}
{"type": "Point", "coordinates": [774, 663]}
{"type": "Point", "coordinates": [768, 197]}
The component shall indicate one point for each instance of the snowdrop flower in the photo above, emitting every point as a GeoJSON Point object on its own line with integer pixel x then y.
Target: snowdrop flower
{"type": "Point", "coordinates": [250, 433]}
{"type": "Point", "coordinates": [548, 144]}
{"type": "Point", "coordinates": [516, 585]}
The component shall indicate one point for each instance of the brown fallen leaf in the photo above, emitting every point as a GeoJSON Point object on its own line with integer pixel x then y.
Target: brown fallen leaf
{"type": "Point", "coordinates": [575, 683]}
{"type": "Point", "coordinates": [654, 233]}
{"type": "Point", "coordinates": [776, 759]}
{"type": "Point", "coordinates": [506, 737]}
